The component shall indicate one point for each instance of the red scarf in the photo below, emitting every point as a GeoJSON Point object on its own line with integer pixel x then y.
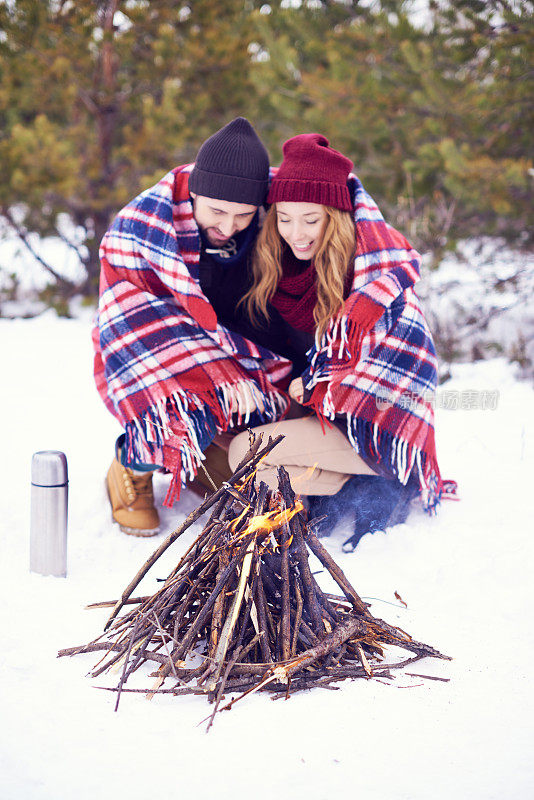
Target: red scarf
{"type": "Point", "coordinates": [296, 295]}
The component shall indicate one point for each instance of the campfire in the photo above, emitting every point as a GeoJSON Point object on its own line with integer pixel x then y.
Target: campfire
{"type": "Point", "coordinates": [242, 611]}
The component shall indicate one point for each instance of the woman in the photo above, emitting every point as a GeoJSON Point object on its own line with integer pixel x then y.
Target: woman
{"type": "Point", "coordinates": [342, 282]}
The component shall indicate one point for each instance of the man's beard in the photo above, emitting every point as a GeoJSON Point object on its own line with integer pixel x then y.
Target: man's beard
{"type": "Point", "coordinates": [218, 240]}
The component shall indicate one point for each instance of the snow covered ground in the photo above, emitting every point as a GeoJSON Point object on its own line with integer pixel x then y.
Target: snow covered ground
{"type": "Point", "coordinates": [466, 577]}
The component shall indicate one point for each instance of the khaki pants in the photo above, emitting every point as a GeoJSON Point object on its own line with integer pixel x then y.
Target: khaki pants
{"type": "Point", "coordinates": [318, 462]}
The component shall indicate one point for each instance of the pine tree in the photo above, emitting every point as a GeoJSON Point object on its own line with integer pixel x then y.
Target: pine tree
{"type": "Point", "coordinates": [100, 99]}
{"type": "Point", "coordinates": [437, 117]}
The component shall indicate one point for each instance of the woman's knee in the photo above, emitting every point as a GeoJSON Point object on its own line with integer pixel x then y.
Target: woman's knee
{"type": "Point", "coordinates": [239, 445]}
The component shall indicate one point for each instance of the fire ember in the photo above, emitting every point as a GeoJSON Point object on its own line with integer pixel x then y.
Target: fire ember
{"type": "Point", "coordinates": [242, 611]}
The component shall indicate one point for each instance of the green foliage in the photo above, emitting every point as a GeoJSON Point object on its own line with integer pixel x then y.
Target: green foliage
{"type": "Point", "coordinates": [99, 99]}
{"type": "Point", "coordinates": [438, 119]}
{"type": "Point", "coordinates": [54, 298]}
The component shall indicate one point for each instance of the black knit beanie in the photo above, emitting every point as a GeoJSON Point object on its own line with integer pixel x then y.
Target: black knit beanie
{"type": "Point", "coordinates": [233, 164]}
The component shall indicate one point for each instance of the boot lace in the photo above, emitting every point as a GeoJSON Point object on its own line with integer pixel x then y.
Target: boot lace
{"type": "Point", "coordinates": [140, 485]}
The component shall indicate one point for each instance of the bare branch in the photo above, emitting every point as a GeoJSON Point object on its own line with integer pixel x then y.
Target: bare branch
{"type": "Point", "coordinates": [23, 235]}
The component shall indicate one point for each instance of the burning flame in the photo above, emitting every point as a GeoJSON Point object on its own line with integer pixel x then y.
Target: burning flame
{"type": "Point", "coordinates": [306, 475]}
{"type": "Point", "coordinates": [273, 519]}
{"type": "Point", "coordinates": [238, 519]}
{"type": "Point", "coordinates": [268, 522]}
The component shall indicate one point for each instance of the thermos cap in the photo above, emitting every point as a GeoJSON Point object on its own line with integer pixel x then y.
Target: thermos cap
{"type": "Point", "coordinates": [49, 468]}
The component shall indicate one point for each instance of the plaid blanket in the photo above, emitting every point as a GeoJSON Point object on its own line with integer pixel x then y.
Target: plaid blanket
{"type": "Point", "coordinates": [163, 365]}
{"type": "Point", "coordinates": [376, 366]}
{"type": "Point", "coordinates": [168, 371]}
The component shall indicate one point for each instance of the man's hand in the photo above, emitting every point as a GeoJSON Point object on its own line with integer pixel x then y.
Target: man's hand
{"type": "Point", "coordinates": [296, 389]}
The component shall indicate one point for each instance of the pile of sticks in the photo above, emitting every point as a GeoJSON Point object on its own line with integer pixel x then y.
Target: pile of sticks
{"type": "Point", "coordinates": [242, 611]}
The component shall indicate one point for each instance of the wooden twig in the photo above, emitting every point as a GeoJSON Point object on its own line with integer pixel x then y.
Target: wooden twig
{"type": "Point", "coordinates": [193, 516]}
{"type": "Point", "coordinates": [298, 619]}
{"type": "Point", "coordinates": [263, 621]}
{"type": "Point", "coordinates": [285, 624]}
{"type": "Point", "coordinates": [111, 603]}
{"type": "Point", "coordinates": [243, 596]}
{"type": "Point", "coordinates": [220, 691]}
{"type": "Point", "coordinates": [336, 572]}
{"type": "Point", "coordinates": [218, 606]}
{"type": "Point", "coordinates": [428, 677]}
{"type": "Point", "coordinates": [122, 678]}
{"type": "Point", "coordinates": [97, 646]}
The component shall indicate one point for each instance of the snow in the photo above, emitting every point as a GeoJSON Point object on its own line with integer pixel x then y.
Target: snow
{"type": "Point", "coordinates": [479, 302]}
{"type": "Point", "coordinates": [466, 576]}
{"type": "Point", "coordinates": [62, 254]}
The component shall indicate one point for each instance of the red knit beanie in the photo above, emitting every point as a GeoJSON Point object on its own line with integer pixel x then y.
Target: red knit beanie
{"type": "Point", "coordinates": [312, 172]}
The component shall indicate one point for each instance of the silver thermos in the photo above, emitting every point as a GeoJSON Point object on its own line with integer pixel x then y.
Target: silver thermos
{"type": "Point", "coordinates": [48, 532]}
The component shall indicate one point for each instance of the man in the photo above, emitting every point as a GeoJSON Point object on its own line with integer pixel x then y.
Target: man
{"type": "Point", "coordinates": [173, 359]}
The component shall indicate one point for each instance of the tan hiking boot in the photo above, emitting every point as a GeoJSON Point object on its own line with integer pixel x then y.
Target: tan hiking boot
{"type": "Point", "coordinates": [132, 500]}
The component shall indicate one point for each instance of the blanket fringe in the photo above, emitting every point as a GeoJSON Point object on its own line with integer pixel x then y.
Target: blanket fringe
{"type": "Point", "coordinates": [396, 456]}
{"type": "Point", "coordinates": [194, 422]}
{"type": "Point", "coordinates": [343, 341]}
{"type": "Point", "coordinates": [399, 458]}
